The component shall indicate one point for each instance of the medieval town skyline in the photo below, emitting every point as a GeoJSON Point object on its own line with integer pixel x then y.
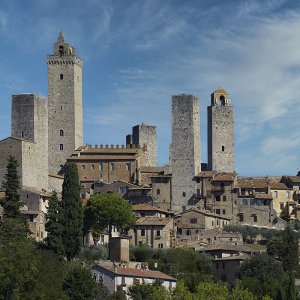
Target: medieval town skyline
{"type": "Point", "coordinates": [138, 54]}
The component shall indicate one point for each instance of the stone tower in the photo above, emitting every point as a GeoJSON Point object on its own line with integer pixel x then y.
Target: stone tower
{"type": "Point", "coordinates": [220, 133]}
{"type": "Point", "coordinates": [30, 123]}
{"type": "Point", "coordinates": [64, 103]}
{"type": "Point", "coordinates": [185, 150]}
{"type": "Point", "coordinates": [146, 135]}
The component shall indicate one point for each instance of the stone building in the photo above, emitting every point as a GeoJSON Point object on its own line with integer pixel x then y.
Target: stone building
{"type": "Point", "coordinates": [185, 149]}
{"type": "Point", "coordinates": [146, 136]}
{"type": "Point", "coordinates": [162, 191]}
{"type": "Point", "coordinates": [108, 164]}
{"type": "Point", "coordinates": [220, 132]}
{"type": "Point", "coordinates": [64, 103]}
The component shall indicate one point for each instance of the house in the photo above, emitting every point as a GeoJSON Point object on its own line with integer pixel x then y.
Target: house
{"type": "Point", "coordinates": [145, 210]}
{"type": "Point", "coordinates": [192, 222]}
{"type": "Point", "coordinates": [113, 274]}
{"type": "Point", "coordinates": [153, 231]}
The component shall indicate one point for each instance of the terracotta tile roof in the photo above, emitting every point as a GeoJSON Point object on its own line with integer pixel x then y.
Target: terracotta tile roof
{"type": "Point", "coordinates": [153, 221]}
{"type": "Point", "coordinates": [279, 186]}
{"type": "Point", "coordinates": [263, 196]}
{"type": "Point", "coordinates": [220, 90]}
{"type": "Point", "coordinates": [203, 212]}
{"type": "Point", "coordinates": [205, 174]}
{"type": "Point", "coordinates": [224, 177]}
{"type": "Point", "coordinates": [106, 156]}
{"type": "Point", "coordinates": [227, 247]}
{"type": "Point", "coordinates": [147, 207]}
{"type": "Point", "coordinates": [145, 169]}
{"type": "Point", "coordinates": [133, 272]}
{"type": "Point", "coordinates": [295, 179]}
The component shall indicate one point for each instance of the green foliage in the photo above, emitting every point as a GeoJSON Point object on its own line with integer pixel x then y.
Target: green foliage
{"type": "Point", "coordinates": [291, 290]}
{"type": "Point", "coordinates": [71, 212]}
{"type": "Point", "coordinates": [107, 210]}
{"type": "Point", "coordinates": [11, 202]}
{"type": "Point", "coordinates": [91, 254]}
{"type": "Point", "coordinates": [285, 248]}
{"type": "Point", "coordinates": [53, 226]}
{"type": "Point", "coordinates": [241, 294]}
{"type": "Point", "coordinates": [146, 291]}
{"type": "Point", "coordinates": [79, 283]}
{"type": "Point", "coordinates": [211, 291]}
{"type": "Point", "coordinates": [262, 275]}
{"type": "Point", "coordinates": [142, 253]}
{"type": "Point", "coordinates": [181, 292]}
{"type": "Point", "coordinates": [119, 294]}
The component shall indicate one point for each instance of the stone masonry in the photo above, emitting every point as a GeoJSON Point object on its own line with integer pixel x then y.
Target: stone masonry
{"type": "Point", "coordinates": [220, 132]}
{"type": "Point", "coordinates": [185, 148]}
{"type": "Point", "coordinates": [146, 135]}
{"type": "Point", "coordinates": [64, 103]}
{"type": "Point", "coordinates": [30, 122]}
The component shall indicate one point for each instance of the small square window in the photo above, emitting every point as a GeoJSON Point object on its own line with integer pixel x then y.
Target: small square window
{"type": "Point", "coordinates": [193, 221]}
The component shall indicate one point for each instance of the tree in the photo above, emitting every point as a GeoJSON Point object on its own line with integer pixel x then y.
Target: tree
{"type": "Point", "coordinates": [262, 275]}
{"type": "Point", "coordinates": [119, 294]}
{"type": "Point", "coordinates": [241, 294]}
{"type": "Point", "coordinates": [108, 210]}
{"type": "Point", "coordinates": [71, 212]}
{"type": "Point", "coordinates": [79, 284]}
{"type": "Point", "coordinates": [285, 248]}
{"type": "Point", "coordinates": [11, 203]}
{"type": "Point", "coordinates": [291, 290]}
{"type": "Point", "coordinates": [211, 291]}
{"type": "Point", "coordinates": [53, 226]}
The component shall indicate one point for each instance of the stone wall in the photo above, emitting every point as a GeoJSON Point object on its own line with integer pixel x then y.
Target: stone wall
{"type": "Point", "coordinates": [185, 149]}
{"type": "Point", "coordinates": [146, 135]}
{"type": "Point", "coordinates": [64, 104]}
{"type": "Point", "coordinates": [220, 133]}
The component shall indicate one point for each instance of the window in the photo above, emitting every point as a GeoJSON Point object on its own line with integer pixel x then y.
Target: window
{"type": "Point", "coordinates": [254, 218]}
{"type": "Point", "coordinates": [224, 198]}
{"type": "Point", "coordinates": [22, 134]}
{"type": "Point", "coordinates": [183, 194]}
{"type": "Point", "coordinates": [61, 147]}
{"type": "Point", "coordinates": [218, 198]}
{"type": "Point", "coordinates": [61, 133]}
{"type": "Point", "coordinates": [31, 218]}
{"type": "Point", "coordinates": [222, 100]}
{"type": "Point", "coordinates": [218, 212]}
{"type": "Point", "coordinates": [287, 193]}
{"type": "Point", "coordinates": [61, 76]}
{"type": "Point", "coordinates": [223, 148]}
{"type": "Point", "coordinates": [83, 167]}
{"type": "Point", "coordinates": [142, 232]}
{"type": "Point", "coordinates": [92, 167]}
{"type": "Point", "coordinates": [252, 201]}
{"type": "Point", "coordinates": [158, 192]}
{"type": "Point", "coordinates": [101, 166]}
{"type": "Point", "coordinates": [244, 202]}
{"type": "Point", "coordinates": [281, 205]}
{"type": "Point", "coordinates": [212, 223]}
{"type": "Point", "coordinates": [241, 218]}
{"type": "Point", "coordinates": [157, 232]}
{"type": "Point", "coordinates": [42, 234]}
{"type": "Point", "coordinates": [193, 221]}
{"type": "Point", "coordinates": [61, 50]}
{"type": "Point", "coordinates": [127, 166]}
{"type": "Point", "coordinates": [276, 194]}
{"type": "Point", "coordinates": [188, 232]}
{"type": "Point", "coordinates": [112, 166]}
{"type": "Point", "coordinates": [160, 245]}
{"type": "Point", "coordinates": [224, 212]}
{"type": "Point", "coordinates": [123, 281]}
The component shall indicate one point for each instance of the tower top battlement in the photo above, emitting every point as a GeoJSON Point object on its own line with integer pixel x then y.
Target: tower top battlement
{"type": "Point", "coordinates": [220, 98]}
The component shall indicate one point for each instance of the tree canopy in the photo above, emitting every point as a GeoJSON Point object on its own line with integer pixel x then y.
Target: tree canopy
{"type": "Point", "coordinates": [108, 210]}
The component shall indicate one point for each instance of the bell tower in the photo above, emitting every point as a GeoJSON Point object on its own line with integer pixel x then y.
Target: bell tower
{"type": "Point", "coordinates": [64, 103]}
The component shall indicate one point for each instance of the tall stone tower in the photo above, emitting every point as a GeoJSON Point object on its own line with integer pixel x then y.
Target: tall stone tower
{"type": "Point", "coordinates": [185, 149]}
{"type": "Point", "coordinates": [146, 135]}
{"type": "Point", "coordinates": [64, 103]}
{"type": "Point", "coordinates": [30, 123]}
{"type": "Point", "coordinates": [220, 133]}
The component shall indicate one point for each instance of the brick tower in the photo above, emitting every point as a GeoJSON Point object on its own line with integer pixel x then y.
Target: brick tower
{"type": "Point", "coordinates": [185, 149]}
{"type": "Point", "coordinates": [64, 103]}
{"type": "Point", "coordinates": [220, 133]}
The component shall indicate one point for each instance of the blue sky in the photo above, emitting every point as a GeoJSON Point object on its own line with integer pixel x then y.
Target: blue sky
{"type": "Point", "coordinates": [138, 53]}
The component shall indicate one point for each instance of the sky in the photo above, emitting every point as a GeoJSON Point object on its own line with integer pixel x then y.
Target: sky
{"type": "Point", "coordinates": [138, 53]}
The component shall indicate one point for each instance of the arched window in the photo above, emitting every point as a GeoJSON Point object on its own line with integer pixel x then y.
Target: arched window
{"type": "Point", "coordinates": [244, 202]}
{"type": "Point", "coordinates": [61, 50]}
{"type": "Point", "coordinates": [61, 132]}
{"type": "Point", "coordinates": [222, 100]}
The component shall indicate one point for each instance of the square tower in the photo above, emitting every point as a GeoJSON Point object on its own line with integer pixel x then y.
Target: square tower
{"type": "Point", "coordinates": [220, 133]}
{"type": "Point", "coordinates": [185, 150]}
{"type": "Point", "coordinates": [64, 103]}
{"type": "Point", "coordinates": [146, 135]}
{"type": "Point", "coordinates": [30, 123]}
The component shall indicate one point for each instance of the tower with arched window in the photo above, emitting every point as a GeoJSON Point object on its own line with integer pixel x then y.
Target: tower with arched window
{"type": "Point", "coordinates": [64, 103]}
{"type": "Point", "coordinates": [220, 135]}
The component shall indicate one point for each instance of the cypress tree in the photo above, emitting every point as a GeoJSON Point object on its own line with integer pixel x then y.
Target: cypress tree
{"type": "Point", "coordinates": [291, 292]}
{"type": "Point", "coordinates": [11, 202]}
{"type": "Point", "coordinates": [71, 212]}
{"type": "Point", "coordinates": [53, 226]}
